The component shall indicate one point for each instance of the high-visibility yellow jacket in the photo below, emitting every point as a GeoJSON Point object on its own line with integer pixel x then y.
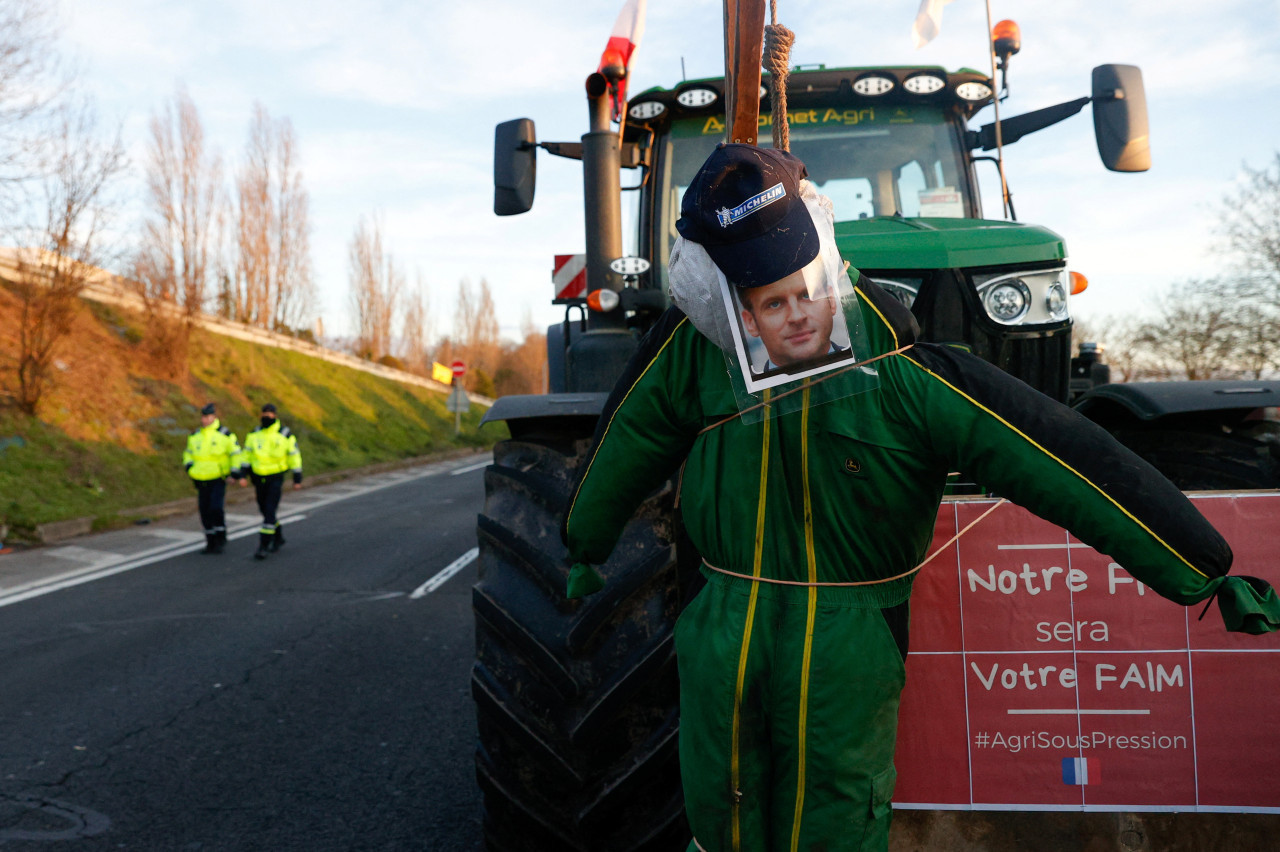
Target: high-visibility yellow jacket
{"type": "Point", "coordinates": [272, 449]}
{"type": "Point", "coordinates": [212, 453]}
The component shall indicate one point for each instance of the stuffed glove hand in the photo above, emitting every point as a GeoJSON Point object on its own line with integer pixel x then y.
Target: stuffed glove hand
{"type": "Point", "coordinates": [1248, 605]}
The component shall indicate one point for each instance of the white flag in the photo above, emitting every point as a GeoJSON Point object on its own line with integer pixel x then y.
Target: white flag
{"type": "Point", "coordinates": [928, 22]}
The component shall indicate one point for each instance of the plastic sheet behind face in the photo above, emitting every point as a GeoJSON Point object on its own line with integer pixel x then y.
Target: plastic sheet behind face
{"type": "Point", "coordinates": [804, 331]}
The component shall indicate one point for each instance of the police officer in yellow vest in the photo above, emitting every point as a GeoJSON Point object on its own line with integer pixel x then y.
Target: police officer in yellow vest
{"type": "Point", "coordinates": [211, 456]}
{"type": "Point", "coordinates": [269, 451]}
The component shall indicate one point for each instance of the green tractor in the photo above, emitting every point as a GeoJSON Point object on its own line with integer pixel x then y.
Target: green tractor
{"type": "Point", "coordinates": [576, 701]}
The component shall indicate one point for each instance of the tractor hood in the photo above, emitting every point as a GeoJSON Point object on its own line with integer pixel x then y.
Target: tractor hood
{"type": "Point", "coordinates": [892, 242]}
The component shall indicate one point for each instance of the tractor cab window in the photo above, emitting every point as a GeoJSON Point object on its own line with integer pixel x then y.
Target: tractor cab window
{"type": "Point", "coordinates": [888, 160]}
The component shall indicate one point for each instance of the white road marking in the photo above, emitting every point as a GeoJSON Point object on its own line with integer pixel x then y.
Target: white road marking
{"type": "Point", "coordinates": [83, 554]}
{"type": "Point", "coordinates": [471, 467]}
{"type": "Point", "coordinates": [117, 564]}
{"type": "Point", "coordinates": [176, 535]}
{"type": "Point", "coordinates": [443, 577]}
{"type": "Point", "coordinates": [104, 563]}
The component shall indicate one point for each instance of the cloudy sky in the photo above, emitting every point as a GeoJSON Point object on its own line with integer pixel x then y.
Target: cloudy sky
{"type": "Point", "coordinates": [394, 104]}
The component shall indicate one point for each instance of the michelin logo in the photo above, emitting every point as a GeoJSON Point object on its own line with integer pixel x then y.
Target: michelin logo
{"type": "Point", "coordinates": [751, 205]}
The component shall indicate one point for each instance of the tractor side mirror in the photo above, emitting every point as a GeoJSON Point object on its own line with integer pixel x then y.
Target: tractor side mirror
{"type": "Point", "coordinates": [1120, 118]}
{"type": "Point", "coordinates": [514, 167]}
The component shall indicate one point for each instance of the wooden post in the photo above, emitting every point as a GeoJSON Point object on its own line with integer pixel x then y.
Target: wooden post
{"type": "Point", "coordinates": [743, 49]}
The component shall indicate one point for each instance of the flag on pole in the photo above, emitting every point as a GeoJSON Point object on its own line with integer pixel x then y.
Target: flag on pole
{"type": "Point", "coordinates": [623, 42]}
{"type": "Point", "coordinates": [928, 22]}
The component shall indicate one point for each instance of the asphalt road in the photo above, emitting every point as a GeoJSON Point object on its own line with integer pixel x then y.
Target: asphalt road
{"type": "Point", "coordinates": [315, 701]}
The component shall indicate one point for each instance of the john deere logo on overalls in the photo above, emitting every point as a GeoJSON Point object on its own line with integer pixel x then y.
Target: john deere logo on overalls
{"type": "Point", "coordinates": [727, 217]}
{"type": "Point", "coordinates": [851, 465]}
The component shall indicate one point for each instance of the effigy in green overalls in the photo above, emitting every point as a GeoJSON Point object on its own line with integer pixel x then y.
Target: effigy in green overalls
{"type": "Point", "coordinates": [812, 511]}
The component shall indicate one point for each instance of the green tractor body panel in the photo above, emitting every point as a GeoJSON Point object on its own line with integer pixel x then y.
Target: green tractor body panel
{"type": "Point", "coordinates": [940, 243]}
{"type": "Point", "coordinates": [892, 149]}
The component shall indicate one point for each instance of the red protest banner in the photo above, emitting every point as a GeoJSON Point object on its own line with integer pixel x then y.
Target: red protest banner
{"type": "Point", "coordinates": [1043, 677]}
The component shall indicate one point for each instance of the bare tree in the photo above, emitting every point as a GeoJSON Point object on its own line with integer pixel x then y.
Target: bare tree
{"type": "Point", "coordinates": [295, 287]}
{"type": "Point", "coordinates": [416, 330]}
{"type": "Point", "coordinates": [31, 81]}
{"type": "Point", "coordinates": [273, 285]}
{"type": "Point", "coordinates": [1117, 337]}
{"type": "Point", "coordinates": [523, 368]}
{"type": "Point", "coordinates": [1250, 228]}
{"type": "Point", "coordinates": [254, 224]}
{"type": "Point", "coordinates": [376, 282]}
{"type": "Point", "coordinates": [1251, 220]}
{"type": "Point", "coordinates": [62, 244]}
{"type": "Point", "coordinates": [1194, 333]}
{"type": "Point", "coordinates": [177, 258]}
{"type": "Point", "coordinates": [475, 327]}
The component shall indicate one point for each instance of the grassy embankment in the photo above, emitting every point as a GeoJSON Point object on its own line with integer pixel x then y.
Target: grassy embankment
{"type": "Point", "coordinates": [110, 432]}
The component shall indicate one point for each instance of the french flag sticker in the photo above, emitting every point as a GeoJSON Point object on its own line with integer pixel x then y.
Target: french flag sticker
{"type": "Point", "coordinates": [1081, 770]}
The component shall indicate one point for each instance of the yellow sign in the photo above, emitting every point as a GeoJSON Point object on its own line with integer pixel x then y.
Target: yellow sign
{"type": "Point", "coordinates": [441, 373]}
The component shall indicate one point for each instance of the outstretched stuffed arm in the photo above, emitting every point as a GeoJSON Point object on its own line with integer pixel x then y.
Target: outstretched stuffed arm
{"type": "Point", "coordinates": [645, 431]}
{"type": "Point", "coordinates": [1066, 469]}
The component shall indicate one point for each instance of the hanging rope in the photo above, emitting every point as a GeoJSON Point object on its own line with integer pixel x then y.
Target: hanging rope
{"type": "Point", "coordinates": [777, 61]}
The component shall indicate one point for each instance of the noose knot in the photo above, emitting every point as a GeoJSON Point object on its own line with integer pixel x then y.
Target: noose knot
{"type": "Point", "coordinates": [777, 61]}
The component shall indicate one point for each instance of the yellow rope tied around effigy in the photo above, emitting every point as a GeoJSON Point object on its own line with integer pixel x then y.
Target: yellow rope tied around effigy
{"type": "Point", "coordinates": [926, 561]}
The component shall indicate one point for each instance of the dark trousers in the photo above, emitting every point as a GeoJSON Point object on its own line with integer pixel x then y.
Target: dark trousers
{"type": "Point", "coordinates": [210, 497]}
{"type": "Point", "coordinates": [268, 490]}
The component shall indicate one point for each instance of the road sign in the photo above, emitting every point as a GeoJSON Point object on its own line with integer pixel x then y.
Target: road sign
{"type": "Point", "coordinates": [458, 401]}
{"type": "Point", "coordinates": [459, 369]}
{"type": "Point", "coordinates": [441, 373]}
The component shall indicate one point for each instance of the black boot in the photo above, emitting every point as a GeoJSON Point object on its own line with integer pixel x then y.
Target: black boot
{"type": "Point", "coordinates": [264, 545]}
{"type": "Point", "coordinates": [277, 540]}
{"type": "Point", "coordinates": [222, 539]}
{"type": "Point", "coordinates": [211, 543]}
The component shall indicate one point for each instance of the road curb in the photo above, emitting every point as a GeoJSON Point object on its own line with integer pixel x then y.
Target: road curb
{"type": "Point", "coordinates": [55, 531]}
{"type": "Point", "coordinates": [63, 530]}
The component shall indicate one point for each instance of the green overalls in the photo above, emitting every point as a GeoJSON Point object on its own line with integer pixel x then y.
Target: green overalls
{"type": "Point", "coordinates": [789, 693]}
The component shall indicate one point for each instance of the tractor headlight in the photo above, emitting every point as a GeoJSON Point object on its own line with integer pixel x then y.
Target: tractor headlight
{"type": "Point", "coordinates": [1007, 301]}
{"type": "Point", "coordinates": [645, 110]}
{"type": "Point", "coordinates": [1056, 302]}
{"type": "Point", "coordinates": [697, 97]}
{"type": "Point", "coordinates": [1024, 298]}
{"type": "Point", "coordinates": [904, 290]}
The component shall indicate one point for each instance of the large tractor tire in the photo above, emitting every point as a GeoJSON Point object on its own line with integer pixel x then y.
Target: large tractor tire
{"type": "Point", "coordinates": [576, 701]}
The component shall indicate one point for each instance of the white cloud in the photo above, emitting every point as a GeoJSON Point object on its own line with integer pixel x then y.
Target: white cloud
{"type": "Point", "coordinates": [394, 102]}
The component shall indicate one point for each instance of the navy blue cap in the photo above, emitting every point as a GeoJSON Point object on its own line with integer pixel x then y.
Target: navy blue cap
{"type": "Point", "coordinates": [209, 409]}
{"type": "Point", "coordinates": [269, 407]}
{"type": "Point", "coordinates": [744, 208]}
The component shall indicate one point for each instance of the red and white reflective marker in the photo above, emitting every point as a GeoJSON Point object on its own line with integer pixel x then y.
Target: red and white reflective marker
{"type": "Point", "coordinates": [569, 275]}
